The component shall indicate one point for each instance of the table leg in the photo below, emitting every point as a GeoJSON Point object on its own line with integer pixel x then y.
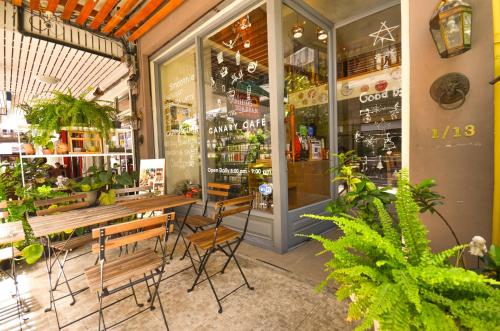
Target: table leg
{"type": "Point", "coordinates": [180, 232]}
{"type": "Point", "coordinates": [48, 266]}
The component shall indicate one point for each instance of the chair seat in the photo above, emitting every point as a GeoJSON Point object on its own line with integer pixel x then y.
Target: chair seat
{"type": "Point", "coordinates": [7, 254]}
{"type": "Point", "coordinates": [198, 221]}
{"type": "Point", "coordinates": [120, 270]}
{"type": "Point", "coordinates": [204, 239]}
{"type": "Point", "coordinates": [73, 243]}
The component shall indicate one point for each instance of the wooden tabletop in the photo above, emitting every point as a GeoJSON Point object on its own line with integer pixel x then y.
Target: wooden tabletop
{"type": "Point", "coordinates": [11, 232]}
{"type": "Point", "coordinates": [45, 225]}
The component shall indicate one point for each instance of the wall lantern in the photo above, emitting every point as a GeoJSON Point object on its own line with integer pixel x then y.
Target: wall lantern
{"type": "Point", "coordinates": [451, 27]}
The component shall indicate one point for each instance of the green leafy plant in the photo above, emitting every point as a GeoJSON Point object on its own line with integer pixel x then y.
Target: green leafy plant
{"type": "Point", "coordinates": [394, 277]}
{"type": "Point", "coordinates": [491, 262]}
{"type": "Point", "coordinates": [359, 193]}
{"type": "Point", "coordinates": [66, 110]}
{"type": "Point", "coordinates": [107, 198]}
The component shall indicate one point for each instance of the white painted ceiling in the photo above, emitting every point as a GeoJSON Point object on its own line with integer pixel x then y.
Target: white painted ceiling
{"type": "Point", "coordinates": [23, 58]}
{"type": "Point", "coordinates": [340, 10]}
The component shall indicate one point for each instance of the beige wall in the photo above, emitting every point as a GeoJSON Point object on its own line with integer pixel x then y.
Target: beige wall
{"type": "Point", "coordinates": [463, 167]}
{"type": "Point", "coordinates": [184, 16]}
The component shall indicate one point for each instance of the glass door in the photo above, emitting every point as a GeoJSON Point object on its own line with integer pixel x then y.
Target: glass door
{"type": "Point", "coordinates": [307, 110]}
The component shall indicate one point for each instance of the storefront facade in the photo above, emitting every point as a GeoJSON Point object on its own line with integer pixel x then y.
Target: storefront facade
{"type": "Point", "coordinates": [261, 94]}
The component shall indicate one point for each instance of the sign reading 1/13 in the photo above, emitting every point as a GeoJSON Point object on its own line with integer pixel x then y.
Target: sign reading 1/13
{"type": "Point", "coordinates": [454, 132]}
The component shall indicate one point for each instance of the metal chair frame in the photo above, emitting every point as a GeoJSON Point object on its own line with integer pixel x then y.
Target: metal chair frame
{"type": "Point", "coordinates": [21, 306]}
{"type": "Point", "coordinates": [54, 258]}
{"type": "Point", "coordinates": [224, 192]}
{"type": "Point", "coordinates": [155, 277]}
{"type": "Point", "coordinates": [230, 253]}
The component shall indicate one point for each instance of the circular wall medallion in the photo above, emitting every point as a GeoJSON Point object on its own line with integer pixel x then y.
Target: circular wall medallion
{"type": "Point", "coordinates": [449, 90]}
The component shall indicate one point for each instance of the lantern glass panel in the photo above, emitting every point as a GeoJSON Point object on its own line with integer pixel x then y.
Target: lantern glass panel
{"type": "Point", "coordinates": [438, 40]}
{"type": "Point", "coordinates": [453, 32]}
{"type": "Point", "coordinates": [467, 28]}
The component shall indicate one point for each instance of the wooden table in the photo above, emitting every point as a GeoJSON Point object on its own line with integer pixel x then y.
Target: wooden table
{"type": "Point", "coordinates": [11, 232]}
{"type": "Point", "coordinates": [43, 226]}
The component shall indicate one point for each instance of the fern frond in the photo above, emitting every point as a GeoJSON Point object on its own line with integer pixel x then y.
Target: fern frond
{"type": "Point", "coordinates": [387, 226]}
{"type": "Point", "coordinates": [440, 258]}
{"type": "Point", "coordinates": [412, 230]}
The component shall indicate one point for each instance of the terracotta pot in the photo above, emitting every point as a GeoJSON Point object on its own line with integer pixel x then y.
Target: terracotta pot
{"type": "Point", "coordinates": [47, 151]}
{"type": "Point", "coordinates": [62, 148]}
{"type": "Point", "coordinates": [29, 149]}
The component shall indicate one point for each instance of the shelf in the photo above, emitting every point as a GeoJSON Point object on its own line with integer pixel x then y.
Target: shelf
{"type": "Point", "coordinates": [73, 155]}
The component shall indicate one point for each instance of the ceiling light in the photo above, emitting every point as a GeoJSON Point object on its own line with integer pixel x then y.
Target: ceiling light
{"type": "Point", "coordinates": [47, 79]}
{"type": "Point", "coordinates": [322, 35]}
{"type": "Point", "coordinates": [297, 31]}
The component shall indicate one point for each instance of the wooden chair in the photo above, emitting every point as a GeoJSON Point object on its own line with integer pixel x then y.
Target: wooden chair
{"type": "Point", "coordinates": [109, 277]}
{"type": "Point", "coordinates": [196, 223]}
{"type": "Point", "coordinates": [133, 193]}
{"type": "Point", "coordinates": [219, 238]}
{"type": "Point", "coordinates": [58, 205]}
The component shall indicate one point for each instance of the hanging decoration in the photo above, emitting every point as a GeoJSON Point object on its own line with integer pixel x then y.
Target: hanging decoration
{"type": "Point", "coordinates": [237, 58]}
{"type": "Point", "coordinates": [252, 66]}
{"type": "Point", "coordinates": [383, 34]}
{"type": "Point", "coordinates": [232, 42]}
{"type": "Point", "coordinates": [220, 57]}
{"type": "Point", "coordinates": [236, 78]}
{"type": "Point", "coordinates": [223, 71]}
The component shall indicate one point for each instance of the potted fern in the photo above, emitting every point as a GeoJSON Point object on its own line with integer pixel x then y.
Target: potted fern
{"type": "Point", "coordinates": [396, 279]}
{"type": "Point", "coordinates": [50, 115]}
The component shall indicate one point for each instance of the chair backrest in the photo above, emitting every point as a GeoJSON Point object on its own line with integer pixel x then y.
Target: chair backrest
{"type": "Point", "coordinates": [217, 190]}
{"type": "Point", "coordinates": [152, 227]}
{"type": "Point", "coordinates": [230, 207]}
{"type": "Point", "coordinates": [133, 193]}
{"type": "Point", "coordinates": [57, 205]}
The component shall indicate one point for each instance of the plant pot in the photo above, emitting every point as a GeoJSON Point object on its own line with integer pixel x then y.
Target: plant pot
{"type": "Point", "coordinates": [29, 149]}
{"type": "Point", "coordinates": [91, 197]}
{"type": "Point", "coordinates": [62, 148]}
{"type": "Point", "coordinates": [47, 151]}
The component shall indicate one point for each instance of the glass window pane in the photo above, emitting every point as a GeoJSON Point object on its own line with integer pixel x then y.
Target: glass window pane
{"type": "Point", "coordinates": [237, 108]}
{"type": "Point", "coordinates": [306, 110]}
{"type": "Point", "coordinates": [369, 93]}
{"type": "Point", "coordinates": [181, 127]}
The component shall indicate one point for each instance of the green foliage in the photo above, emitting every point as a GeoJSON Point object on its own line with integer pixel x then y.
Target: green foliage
{"type": "Point", "coordinates": [65, 110]}
{"type": "Point", "coordinates": [426, 198]}
{"type": "Point", "coordinates": [107, 198]}
{"type": "Point", "coordinates": [357, 198]}
{"type": "Point", "coordinates": [32, 253]}
{"type": "Point", "coordinates": [492, 262]}
{"type": "Point", "coordinates": [394, 278]}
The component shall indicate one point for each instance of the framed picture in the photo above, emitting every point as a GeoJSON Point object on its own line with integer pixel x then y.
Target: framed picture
{"type": "Point", "coordinates": [152, 173]}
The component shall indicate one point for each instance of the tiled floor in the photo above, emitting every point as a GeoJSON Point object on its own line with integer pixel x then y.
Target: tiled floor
{"type": "Point", "coordinates": [282, 300]}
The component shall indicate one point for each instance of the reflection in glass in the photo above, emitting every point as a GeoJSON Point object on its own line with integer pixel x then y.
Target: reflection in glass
{"type": "Point", "coordinates": [181, 128]}
{"type": "Point", "coordinates": [369, 93]}
{"type": "Point", "coordinates": [237, 101]}
{"type": "Point", "coordinates": [306, 111]}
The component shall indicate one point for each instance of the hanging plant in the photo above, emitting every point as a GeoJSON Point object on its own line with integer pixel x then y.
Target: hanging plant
{"type": "Point", "coordinates": [66, 110]}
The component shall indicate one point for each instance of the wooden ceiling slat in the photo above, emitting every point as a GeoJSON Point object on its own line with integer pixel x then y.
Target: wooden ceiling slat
{"type": "Point", "coordinates": [119, 16]}
{"type": "Point", "coordinates": [35, 4]}
{"type": "Point", "coordinates": [103, 13]}
{"type": "Point", "coordinates": [18, 3]}
{"type": "Point", "coordinates": [85, 12]}
{"type": "Point", "coordinates": [140, 16]}
{"type": "Point", "coordinates": [156, 18]}
{"type": "Point", "coordinates": [52, 6]}
{"type": "Point", "coordinates": [68, 9]}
